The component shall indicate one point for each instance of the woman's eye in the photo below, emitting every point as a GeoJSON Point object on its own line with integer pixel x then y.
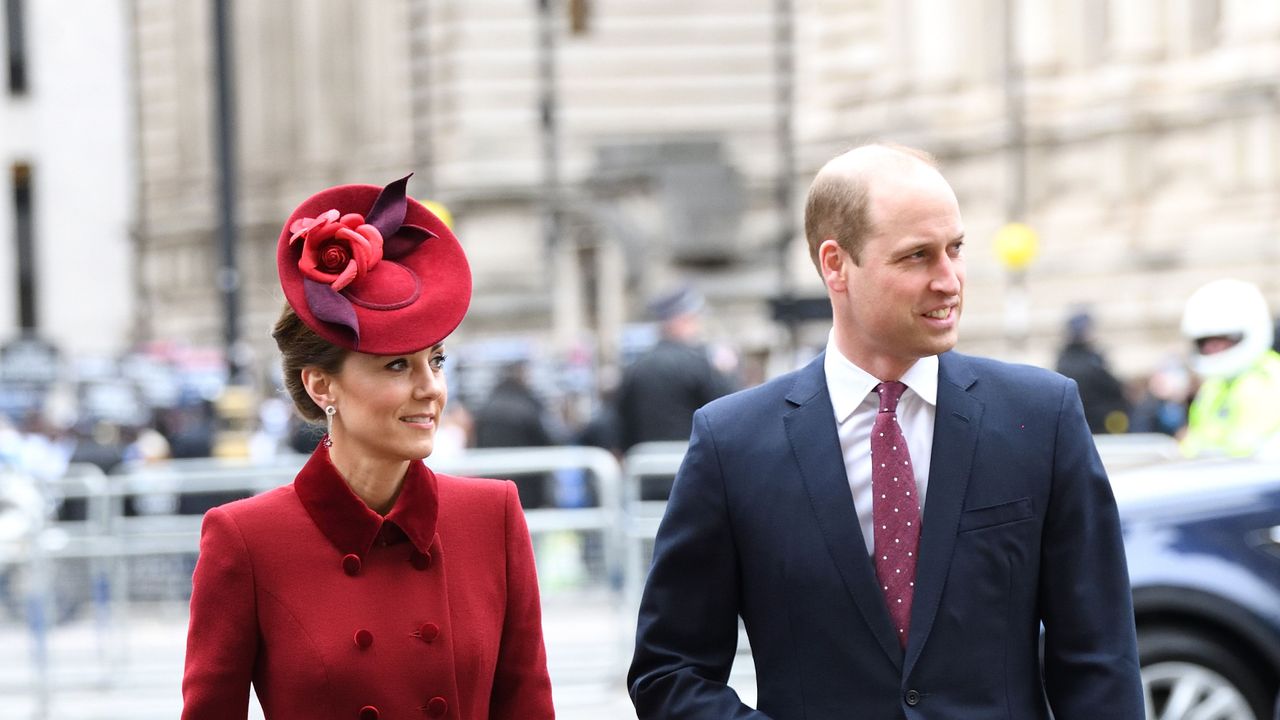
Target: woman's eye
{"type": "Point", "coordinates": [398, 364]}
{"type": "Point", "coordinates": [437, 361]}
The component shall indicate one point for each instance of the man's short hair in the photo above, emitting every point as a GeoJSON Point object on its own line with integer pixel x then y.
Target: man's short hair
{"type": "Point", "coordinates": [839, 203]}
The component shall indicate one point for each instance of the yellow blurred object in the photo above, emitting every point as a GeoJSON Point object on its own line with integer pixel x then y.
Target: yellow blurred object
{"type": "Point", "coordinates": [440, 211]}
{"type": "Point", "coordinates": [236, 410]}
{"type": "Point", "coordinates": [1016, 245]}
{"type": "Point", "coordinates": [1116, 422]}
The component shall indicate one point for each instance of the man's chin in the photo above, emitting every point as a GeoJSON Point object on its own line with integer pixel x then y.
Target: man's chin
{"type": "Point", "coordinates": [941, 345]}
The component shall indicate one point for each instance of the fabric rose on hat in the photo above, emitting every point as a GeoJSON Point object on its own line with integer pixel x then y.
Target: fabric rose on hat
{"type": "Point", "coordinates": [337, 250]}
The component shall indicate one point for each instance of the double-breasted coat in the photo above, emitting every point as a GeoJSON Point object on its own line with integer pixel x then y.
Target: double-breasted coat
{"type": "Point", "coordinates": [333, 611]}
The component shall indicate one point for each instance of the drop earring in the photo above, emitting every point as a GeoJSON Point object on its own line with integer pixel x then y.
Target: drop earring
{"type": "Point", "coordinates": [329, 412]}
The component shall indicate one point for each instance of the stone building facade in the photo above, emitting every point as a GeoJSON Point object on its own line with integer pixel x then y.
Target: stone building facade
{"type": "Point", "coordinates": [1144, 134]}
{"type": "Point", "coordinates": [67, 190]}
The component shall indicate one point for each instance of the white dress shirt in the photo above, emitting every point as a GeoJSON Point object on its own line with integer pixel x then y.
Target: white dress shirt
{"type": "Point", "coordinates": [856, 407]}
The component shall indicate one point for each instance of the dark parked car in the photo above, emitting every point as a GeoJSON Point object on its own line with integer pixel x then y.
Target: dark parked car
{"type": "Point", "coordinates": [1203, 542]}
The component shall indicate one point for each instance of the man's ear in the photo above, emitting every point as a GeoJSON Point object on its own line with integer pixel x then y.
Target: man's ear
{"type": "Point", "coordinates": [833, 262]}
{"type": "Point", "coordinates": [319, 385]}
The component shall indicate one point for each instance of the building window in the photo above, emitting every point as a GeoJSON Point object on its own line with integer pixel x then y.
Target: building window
{"type": "Point", "coordinates": [15, 40]}
{"type": "Point", "coordinates": [24, 234]}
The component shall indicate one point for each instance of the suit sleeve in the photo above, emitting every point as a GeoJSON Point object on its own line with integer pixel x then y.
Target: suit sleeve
{"type": "Point", "coordinates": [222, 639]}
{"type": "Point", "coordinates": [521, 685]}
{"type": "Point", "coordinates": [1091, 655]}
{"type": "Point", "coordinates": [687, 633]}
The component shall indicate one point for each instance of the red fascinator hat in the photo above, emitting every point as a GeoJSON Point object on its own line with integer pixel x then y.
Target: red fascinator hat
{"type": "Point", "coordinates": [373, 270]}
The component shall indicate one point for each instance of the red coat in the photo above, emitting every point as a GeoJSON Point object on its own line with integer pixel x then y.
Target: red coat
{"type": "Point", "coordinates": [333, 611]}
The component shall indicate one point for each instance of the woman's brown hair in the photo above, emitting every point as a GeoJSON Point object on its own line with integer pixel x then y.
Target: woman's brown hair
{"type": "Point", "coordinates": [301, 347]}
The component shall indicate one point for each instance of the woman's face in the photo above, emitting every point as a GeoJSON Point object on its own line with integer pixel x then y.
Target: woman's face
{"type": "Point", "coordinates": [389, 406]}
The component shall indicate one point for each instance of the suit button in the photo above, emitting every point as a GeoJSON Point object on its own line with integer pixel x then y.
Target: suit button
{"type": "Point", "coordinates": [420, 560]}
{"type": "Point", "coordinates": [429, 632]}
{"type": "Point", "coordinates": [368, 712]}
{"type": "Point", "coordinates": [913, 698]}
{"type": "Point", "coordinates": [364, 638]}
{"type": "Point", "coordinates": [437, 707]}
{"type": "Point", "coordinates": [351, 564]}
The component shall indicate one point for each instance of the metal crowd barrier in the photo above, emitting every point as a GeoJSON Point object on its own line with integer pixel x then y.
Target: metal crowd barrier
{"type": "Point", "coordinates": [85, 536]}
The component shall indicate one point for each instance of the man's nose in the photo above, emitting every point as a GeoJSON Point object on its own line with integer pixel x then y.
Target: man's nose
{"type": "Point", "coordinates": [947, 276]}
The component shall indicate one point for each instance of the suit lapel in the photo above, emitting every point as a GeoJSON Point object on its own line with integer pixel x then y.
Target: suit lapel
{"type": "Point", "coordinates": [811, 430]}
{"type": "Point", "coordinates": [955, 435]}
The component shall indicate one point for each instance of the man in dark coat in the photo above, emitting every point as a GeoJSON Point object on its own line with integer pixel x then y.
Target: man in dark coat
{"type": "Point", "coordinates": [1105, 407]}
{"type": "Point", "coordinates": [513, 416]}
{"type": "Point", "coordinates": [661, 390]}
{"type": "Point", "coordinates": [929, 583]}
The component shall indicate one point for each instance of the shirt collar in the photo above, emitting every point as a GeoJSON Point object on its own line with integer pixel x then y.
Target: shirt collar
{"type": "Point", "coordinates": [849, 384]}
{"type": "Point", "coordinates": [350, 524]}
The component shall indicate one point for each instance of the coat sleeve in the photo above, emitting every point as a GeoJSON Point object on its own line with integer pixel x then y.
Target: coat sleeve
{"type": "Point", "coordinates": [521, 685]}
{"type": "Point", "coordinates": [687, 634]}
{"type": "Point", "coordinates": [222, 639]}
{"type": "Point", "coordinates": [1090, 648]}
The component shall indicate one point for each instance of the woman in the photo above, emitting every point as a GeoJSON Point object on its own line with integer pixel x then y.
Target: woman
{"type": "Point", "coordinates": [370, 587]}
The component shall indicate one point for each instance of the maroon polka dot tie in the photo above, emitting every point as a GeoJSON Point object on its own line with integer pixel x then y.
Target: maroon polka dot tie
{"type": "Point", "coordinates": [894, 509]}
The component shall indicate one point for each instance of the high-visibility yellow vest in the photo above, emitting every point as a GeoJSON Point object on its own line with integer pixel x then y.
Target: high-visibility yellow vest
{"type": "Point", "coordinates": [1237, 416]}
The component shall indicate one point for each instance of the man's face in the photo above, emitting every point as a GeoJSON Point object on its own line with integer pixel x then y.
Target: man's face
{"type": "Point", "coordinates": [903, 297]}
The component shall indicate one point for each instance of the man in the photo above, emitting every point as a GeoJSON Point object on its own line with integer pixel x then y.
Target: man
{"type": "Point", "coordinates": [514, 416]}
{"type": "Point", "coordinates": [1236, 411]}
{"type": "Point", "coordinates": [787, 511]}
{"type": "Point", "coordinates": [664, 386]}
{"type": "Point", "coordinates": [1106, 409]}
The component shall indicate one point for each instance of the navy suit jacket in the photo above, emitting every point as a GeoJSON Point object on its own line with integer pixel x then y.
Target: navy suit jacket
{"type": "Point", "coordinates": [1019, 528]}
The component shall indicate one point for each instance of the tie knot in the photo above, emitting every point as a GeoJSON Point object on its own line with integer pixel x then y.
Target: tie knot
{"type": "Point", "coordinates": [890, 393]}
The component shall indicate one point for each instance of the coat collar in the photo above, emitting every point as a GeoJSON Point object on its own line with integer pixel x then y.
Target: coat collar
{"type": "Point", "coordinates": [350, 524]}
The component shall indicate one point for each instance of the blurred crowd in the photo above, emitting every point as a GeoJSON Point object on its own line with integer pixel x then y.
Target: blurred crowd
{"type": "Point", "coordinates": [1221, 397]}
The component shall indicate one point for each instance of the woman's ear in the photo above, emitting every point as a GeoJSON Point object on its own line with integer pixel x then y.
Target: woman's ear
{"type": "Point", "coordinates": [319, 385]}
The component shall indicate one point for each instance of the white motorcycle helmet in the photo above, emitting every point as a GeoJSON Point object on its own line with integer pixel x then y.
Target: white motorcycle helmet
{"type": "Point", "coordinates": [1233, 309]}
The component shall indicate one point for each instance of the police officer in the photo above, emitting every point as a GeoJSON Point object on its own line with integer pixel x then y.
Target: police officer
{"type": "Point", "coordinates": [1236, 411]}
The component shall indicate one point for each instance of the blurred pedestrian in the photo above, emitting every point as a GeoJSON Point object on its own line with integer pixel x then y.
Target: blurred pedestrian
{"type": "Point", "coordinates": [371, 586]}
{"type": "Point", "coordinates": [1162, 406]}
{"type": "Point", "coordinates": [602, 428]}
{"type": "Point", "coordinates": [1236, 411]}
{"type": "Point", "coordinates": [514, 416]}
{"type": "Point", "coordinates": [190, 428]}
{"type": "Point", "coordinates": [661, 390]}
{"type": "Point", "coordinates": [1106, 408]}
{"type": "Point", "coordinates": [798, 508]}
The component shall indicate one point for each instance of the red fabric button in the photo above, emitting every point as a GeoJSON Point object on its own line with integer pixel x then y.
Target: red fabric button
{"type": "Point", "coordinates": [364, 638]}
{"type": "Point", "coordinates": [437, 707]}
{"type": "Point", "coordinates": [351, 564]}
{"type": "Point", "coordinates": [429, 632]}
{"type": "Point", "coordinates": [368, 712]}
{"type": "Point", "coordinates": [420, 560]}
